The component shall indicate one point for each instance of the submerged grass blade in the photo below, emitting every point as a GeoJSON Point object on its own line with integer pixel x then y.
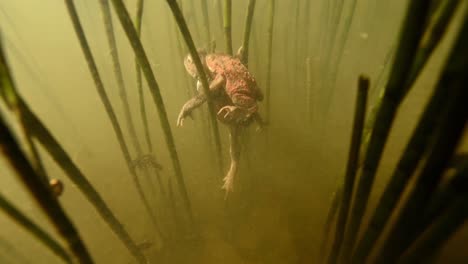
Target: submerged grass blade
{"type": "Point", "coordinates": [271, 17]}
{"type": "Point", "coordinates": [10, 149]}
{"type": "Point", "coordinates": [247, 29]}
{"type": "Point", "coordinates": [435, 31]}
{"type": "Point", "coordinates": [407, 165]}
{"type": "Point", "coordinates": [448, 135]}
{"type": "Point", "coordinates": [206, 22]}
{"type": "Point", "coordinates": [409, 38]}
{"type": "Point", "coordinates": [35, 128]}
{"type": "Point", "coordinates": [227, 20]}
{"type": "Point", "coordinates": [107, 105]}
{"type": "Point", "coordinates": [196, 59]}
{"type": "Point", "coordinates": [332, 211]}
{"type": "Point", "coordinates": [141, 98]}
{"type": "Point", "coordinates": [351, 167]}
{"type": "Point", "coordinates": [156, 94]}
{"type": "Point", "coordinates": [41, 235]}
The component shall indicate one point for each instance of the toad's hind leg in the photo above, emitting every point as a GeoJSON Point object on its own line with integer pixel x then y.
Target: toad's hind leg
{"type": "Point", "coordinates": [235, 149]}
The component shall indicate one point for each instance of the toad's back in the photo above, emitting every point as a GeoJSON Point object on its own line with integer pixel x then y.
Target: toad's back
{"type": "Point", "coordinates": [239, 81]}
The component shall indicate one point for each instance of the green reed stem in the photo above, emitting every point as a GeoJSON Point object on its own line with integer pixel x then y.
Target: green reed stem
{"type": "Point", "coordinates": [156, 94]}
{"type": "Point", "coordinates": [16, 215]}
{"type": "Point", "coordinates": [107, 105]}
{"type": "Point", "coordinates": [271, 17]}
{"type": "Point", "coordinates": [410, 35]}
{"type": "Point", "coordinates": [412, 155]}
{"type": "Point", "coordinates": [200, 69]}
{"type": "Point", "coordinates": [450, 130]}
{"type": "Point", "coordinates": [443, 227]}
{"type": "Point", "coordinates": [247, 29]}
{"type": "Point", "coordinates": [436, 28]}
{"type": "Point", "coordinates": [446, 200]}
{"type": "Point", "coordinates": [332, 211]}
{"type": "Point", "coordinates": [106, 13]}
{"type": "Point", "coordinates": [351, 167]}
{"type": "Point", "coordinates": [206, 22]}
{"type": "Point", "coordinates": [141, 97]}
{"type": "Point", "coordinates": [35, 128]}
{"type": "Point", "coordinates": [227, 25]}
{"type": "Point", "coordinates": [11, 150]}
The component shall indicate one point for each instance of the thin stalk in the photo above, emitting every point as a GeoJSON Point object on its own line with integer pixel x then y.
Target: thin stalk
{"type": "Point", "coordinates": [271, 16]}
{"type": "Point", "coordinates": [435, 31]}
{"type": "Point", "coordinates": [196, 59]}
{"type": "Point", "coordinates": [247, 29]}
{"type": "Point", "coordinates": [308, 86]}
{"type": "Point", "coordinates": [332, 211]}
{"type": "Point", "coordinates": [219, 8]}
{"type": "Point", "coordinates": [141, 97]}
{"type": "Point", "coordinates": [409, 38]}
{"type": "Point", "coordinates": [206, 22]}
{"type": "Point", "coordinates": [107, 105]}
{"type": "Point", "coordinates": [438, 233]}
{"type": "Point", "coordinates": [53, 147]}
{"type": "Point", "coordinates": [156, 94]}
{"type": "Point", "coordinates": [227, 25]}
{"type": "Point", "coordinates": [106, 12]}
{"type": "Point", "coordinates": [35, 230]}
{"type": "Point", "coordinates": [36, 129]}
{"type": "Point", "coordinates": [341, 44]}
{"type": "Point", "coordinates": [351, 167]}
{"type": "Point", "coordinates": [451, 127]}
{"type": "Point", "coordinates": [11, 150]}
{"type": "Point", "coordinates": [412, 155]}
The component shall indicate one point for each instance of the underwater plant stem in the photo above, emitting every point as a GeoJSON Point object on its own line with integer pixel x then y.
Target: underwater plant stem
{"type": "Point", "coordinates": [410, 36]}
{"type": "Point", "coordinates": [351, 167]}
{"type": "Point", "coordinates": [271, 16]}
{"type": "Point", "coordinates": [36, 129]}
{"type": "Point", "coordinates": [141, 98]}
{"type": "Point", "coordinates": [60, 156]}
{"type": "Point", "coordinates": [436, 28]}
{"type": "Point", "coordinates": [247, 29]}
{"type": "Point", "coordinates": [413, 153]}
{"type": "Point", "coordinates": [156, 94]}
{"type": "Point", "coordinates": [34, 229]}
{"type": "Point", "coordinates": [227, 25]}
{"type": "Point", "coordinates": [107, 105]}
{"type": "Point", "coordinates": [201, 72]}
{"type": "Point", "coordinates": [206, 22]}
{"type": "Point", "coordinates": [332, 210]}
{"type": "Point", "coordinates": [443, 227]}
{"type": "Point", "coordinates": [443, 145]}
{"type": "Point", "coordinates": [10, 149]}
{"type": "Point", "coordinates": [106, 13]}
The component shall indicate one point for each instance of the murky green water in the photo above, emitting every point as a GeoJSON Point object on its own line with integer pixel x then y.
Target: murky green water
{"type": "Point", "coordinates": [288, 171]}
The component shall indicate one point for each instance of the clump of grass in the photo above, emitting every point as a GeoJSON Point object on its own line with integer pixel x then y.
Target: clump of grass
{"type": "Point", "coordinates": [16, 215]}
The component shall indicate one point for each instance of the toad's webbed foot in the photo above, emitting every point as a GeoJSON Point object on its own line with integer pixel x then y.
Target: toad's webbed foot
{"type": "Point", "coordinates": [228, 185]}
{"type": "Point", "coordinates": [229, 111]}
{"type": "Point", "coordinates": [182, 115]}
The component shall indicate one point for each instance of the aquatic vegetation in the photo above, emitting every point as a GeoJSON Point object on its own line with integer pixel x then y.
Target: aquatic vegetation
{"type": "Point", "coordinates": [227, 25]}
{"type": "Point", "coordinates": [351, 166]}
{"type": "Point", "coordinates": [271, 16]}
{"type": "Point", "coordinates": [410, 36]}
{"type": "Point", "coordinates": [34, 229]}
